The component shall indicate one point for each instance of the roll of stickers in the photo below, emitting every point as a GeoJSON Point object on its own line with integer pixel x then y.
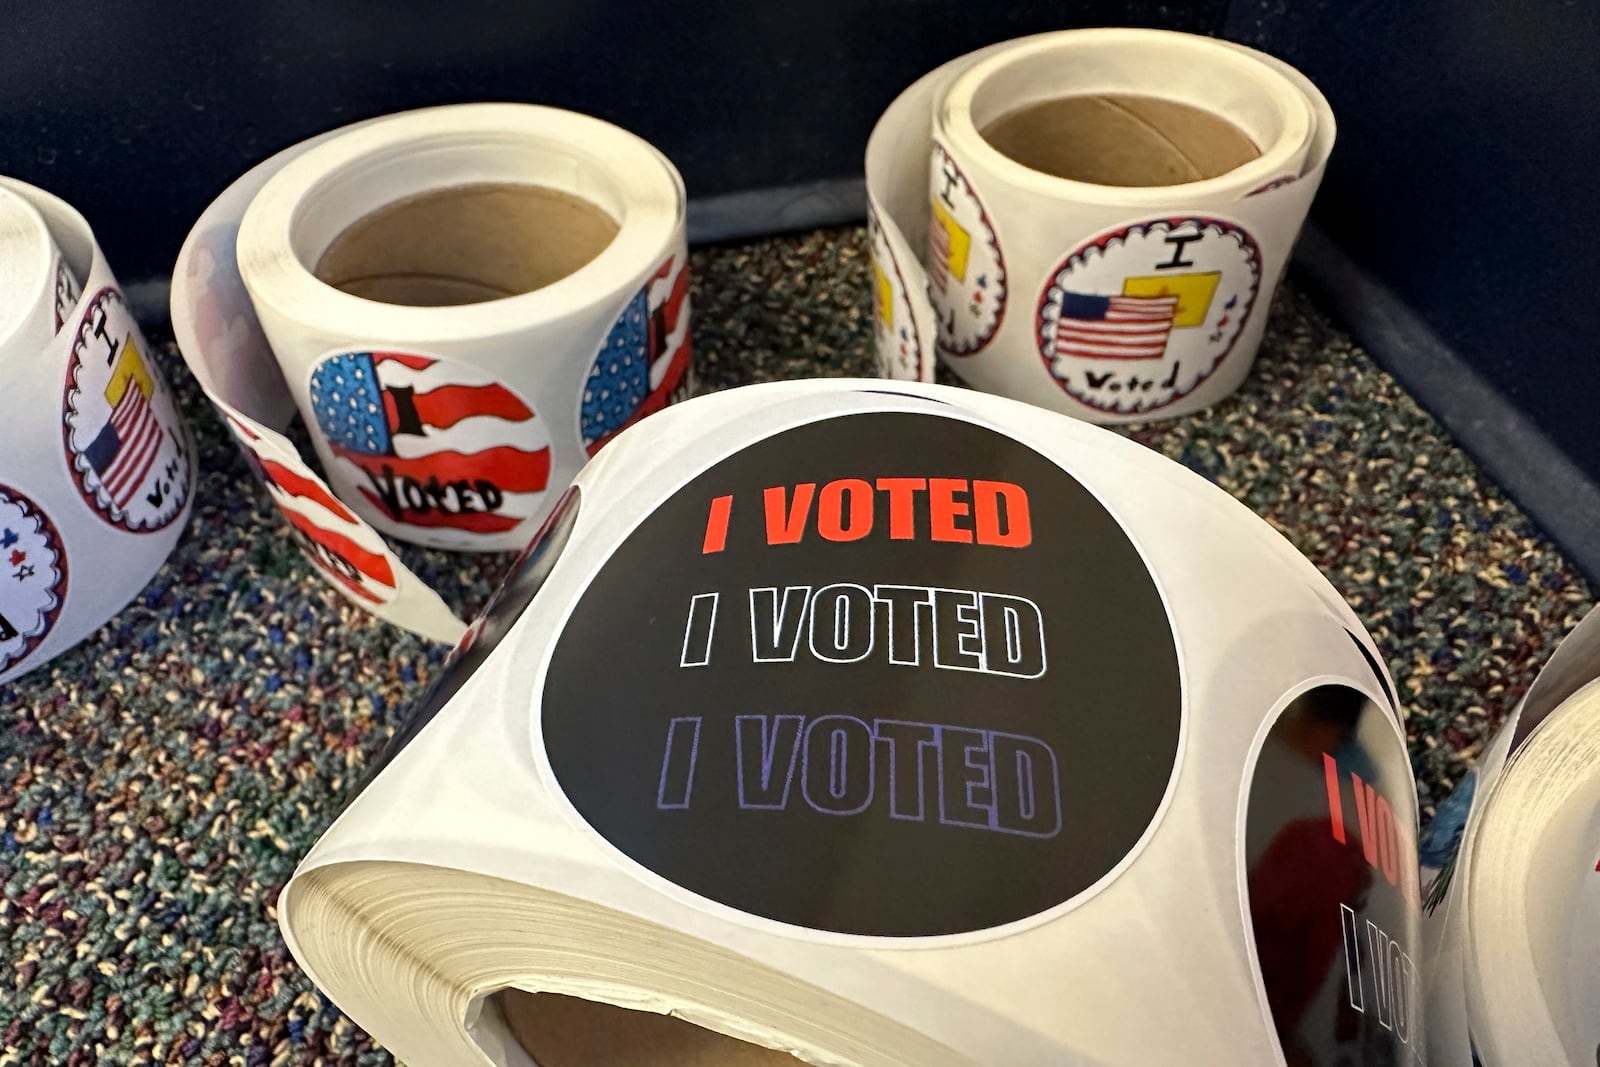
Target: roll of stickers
{"type": "Point", "coordinates": [97, 476]}
{"type": "Point", "coordinates": [462, 303]}
{"type": "Point", "coordinates": [1514, 904]}
{"type": "Point", "coordinates": [803, 721]}
{"type": "Point", "coordinates": [1533, 928]}
{"type": "Point", "coordinates": [1093, 221]}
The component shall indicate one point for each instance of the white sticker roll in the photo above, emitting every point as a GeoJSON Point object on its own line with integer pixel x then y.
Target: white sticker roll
{"type": "Point", "coordinates": [1508, 944]}
{"type": "Point", "coordinates": [1093, 221]}
{"type": "Point", "coordinates": [803, 720]}
{"type": "Point", "coordinates": [97, 478]}
{"type": "Point", "coordinates": [29, 261]}
{"type": "Point", "coordinates": [463, 304]}
{"type": "Point", "coordinates": [1531, 907]}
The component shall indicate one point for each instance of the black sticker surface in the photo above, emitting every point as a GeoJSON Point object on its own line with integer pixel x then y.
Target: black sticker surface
{"type": "Point", "coordinates": [1331, 855]}
{"type": "Point", "coordinates": [886, 674]}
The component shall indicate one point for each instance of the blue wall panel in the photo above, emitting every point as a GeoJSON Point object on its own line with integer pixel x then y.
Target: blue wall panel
{"type": "Point", "coordinates": [1464, 178]}
{"type": "Point", "coordinates": [140, 113]}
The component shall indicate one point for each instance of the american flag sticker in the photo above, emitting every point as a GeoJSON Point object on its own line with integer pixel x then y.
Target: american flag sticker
{"type": "Point", "coordinates": [33, 578]}
{"type": "Point", "coordinates": [347, 551]}
{"type": "Point", "coordinates": [643, 364]}
{"type": "Point", "coordinates": [126, 443]}
{"type": "Point", "coordinates": [966, 270]}
{"type": "Point", "coordinates": [1114, 327]}
{"type": "Point", "coordinates": [126, 447]}
{"type": "Point", "coordinates": [1139, 316]}
{"type": "Point", "coordinates": [434, 449]}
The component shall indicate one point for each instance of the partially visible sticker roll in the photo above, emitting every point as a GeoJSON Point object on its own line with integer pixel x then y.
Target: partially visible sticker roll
{"type": "Point", "coordinates": [463, 304]}
{"type": "Point", "coordinates": [96, 480]}
{"type": "Point", "coordinates": [1092, 220]}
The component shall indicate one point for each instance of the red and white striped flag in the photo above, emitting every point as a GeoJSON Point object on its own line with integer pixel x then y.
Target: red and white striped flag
{"type": "Point", "coordinates": [126, 448]}
{"type": "Point", "coordinates": [1114, 327]}
{"type": "Point", "coordinates": [938, 253]}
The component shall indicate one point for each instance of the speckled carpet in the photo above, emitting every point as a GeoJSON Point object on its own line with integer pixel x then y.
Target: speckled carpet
{"type": "Point", "coordinates": [162, 779]}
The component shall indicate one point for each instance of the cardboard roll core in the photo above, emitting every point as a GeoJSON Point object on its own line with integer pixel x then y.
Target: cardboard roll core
{"type": "Point", "coordinates": [1121, 139]}
{"type": "Point", "coordinates": [563, 1031]}
{"type": "Point", "coordinates": [466, 245]}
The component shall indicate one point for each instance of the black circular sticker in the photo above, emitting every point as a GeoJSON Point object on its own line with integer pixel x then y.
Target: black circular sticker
{"type": "Point", "coordinates": [1331, 860]}
{"type": "Point", "coordinates": [889, 673]}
